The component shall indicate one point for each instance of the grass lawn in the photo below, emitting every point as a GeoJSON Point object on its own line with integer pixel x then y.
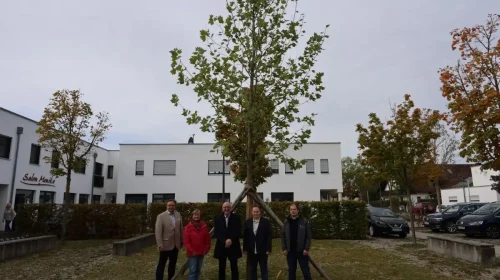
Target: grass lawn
{"type": "Point", "coordinates": [340, 259]}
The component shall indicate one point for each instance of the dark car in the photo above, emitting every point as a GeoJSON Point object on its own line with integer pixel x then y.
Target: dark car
{"type": "Point", "coordinates": [447, 220]}
{"type": "Point", "coordinates": [483, 221]}
{"type": "Point", "coordinates": [384, 221]}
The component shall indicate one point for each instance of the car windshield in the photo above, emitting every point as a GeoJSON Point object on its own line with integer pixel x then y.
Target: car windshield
{"type": "Point", "coordinates": [452, 209]}
{"type": "Point", "coordinates": [382, 212]}
{"type": "Point", "coordinates": [487, 209]}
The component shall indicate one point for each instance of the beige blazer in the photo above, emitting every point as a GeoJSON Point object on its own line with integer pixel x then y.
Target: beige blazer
{"type": "Point", "coordinates": [169, 235]}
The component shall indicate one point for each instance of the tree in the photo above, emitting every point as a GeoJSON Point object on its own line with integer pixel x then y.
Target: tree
{"type": "Point", "coordinates": [472, 88]}
{"type": "Point", "coordinates": [245, 73]}
{"type": "Point", "coordinates": [66, 130]}
{"type": "Point", "coordinates": [353, 178]}
{"type": "Point", "coordinates": [406, 144]}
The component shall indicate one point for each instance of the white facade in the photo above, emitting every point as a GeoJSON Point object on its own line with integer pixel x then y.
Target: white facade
{"type": "Point", "coordinates": [477, 191]}
{"type": "Point", "coordinates": [40, 190]}
{"type": "Point", "coordinates": [192, 181]}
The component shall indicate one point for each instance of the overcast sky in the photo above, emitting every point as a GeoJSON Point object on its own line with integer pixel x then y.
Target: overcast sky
{"type": "Point", "coordinates": [117, 53]}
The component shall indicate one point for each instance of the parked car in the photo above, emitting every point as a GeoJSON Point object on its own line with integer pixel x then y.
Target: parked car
{"type": "Point", "coordinates": [483, 221]}
{"type": "Point", "coordinates": [384, 221]}
{"type": "Point", "coordinates": [424, 208]}
{"type": "Point", "coordinates": [440, 208]}
{"type": "Point", "coordinates": [447, 220]}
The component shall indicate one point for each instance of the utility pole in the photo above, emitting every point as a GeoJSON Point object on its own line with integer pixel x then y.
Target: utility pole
{"type": "Point", "coordinates": [223, 178]}
{"type": "Point", "coordinates": [93, 180]}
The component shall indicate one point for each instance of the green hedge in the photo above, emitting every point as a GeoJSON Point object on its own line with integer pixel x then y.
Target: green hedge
{"type": "Point", "coordinates": [329, 220]}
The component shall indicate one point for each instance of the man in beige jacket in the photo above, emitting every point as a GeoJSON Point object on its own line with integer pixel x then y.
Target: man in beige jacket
{"type": "Point", "coordinates": [169, 239]}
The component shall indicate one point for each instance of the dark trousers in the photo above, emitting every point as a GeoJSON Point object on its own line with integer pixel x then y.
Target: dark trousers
{"type": "Point", "coordinates": [293, 258]}
{"type": "Point", "coordinates": [261, 260]}
{"type": "Point", "coordinates": [7, 226]}
{"type": "Point", "coordinates": [222, 267]}
{"type": "Point", "coordinates": [164, 256]}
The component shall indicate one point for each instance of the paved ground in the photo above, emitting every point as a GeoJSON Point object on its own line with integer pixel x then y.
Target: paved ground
{"type": "Point", "coordinates": [421, 233]}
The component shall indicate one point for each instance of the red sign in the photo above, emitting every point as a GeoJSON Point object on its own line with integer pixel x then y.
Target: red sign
{"type": "Point", "coordinates": [38, 180]}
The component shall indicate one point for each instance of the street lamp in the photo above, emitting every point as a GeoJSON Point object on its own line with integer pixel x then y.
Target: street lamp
{"type": "Point", "coordinates": [93, 179]}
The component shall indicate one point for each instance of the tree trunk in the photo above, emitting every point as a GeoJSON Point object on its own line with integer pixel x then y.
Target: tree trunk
{"type": "Point", "coordinates": [66, 206]}
{"type": "Point", "coordinates": [412, 221]}
{"type": "Point", "coordinates": [390, 197]}
{"type": "Point", "coordinates": [438, 192]}
{"type": "Point", "coordinates": [249, 206]}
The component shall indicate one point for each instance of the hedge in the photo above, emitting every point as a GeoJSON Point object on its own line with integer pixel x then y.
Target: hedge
{"type": "Point", "coordinates": [329, 220]}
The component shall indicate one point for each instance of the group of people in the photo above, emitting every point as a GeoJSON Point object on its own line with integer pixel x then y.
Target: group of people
{"type": "Point", "coordinates": [171, 236]}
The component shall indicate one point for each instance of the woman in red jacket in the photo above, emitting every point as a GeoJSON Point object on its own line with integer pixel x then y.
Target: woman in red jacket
{"type": "Point", "coordinates": [197, 242]}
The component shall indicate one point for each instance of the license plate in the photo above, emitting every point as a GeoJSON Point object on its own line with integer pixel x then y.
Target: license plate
{"type": "Point", "coordinates": [426, 223]}
{"type": "Point", "coordinates": [460, 227]}
{"type": "Point", "coordinates": [396, 229]}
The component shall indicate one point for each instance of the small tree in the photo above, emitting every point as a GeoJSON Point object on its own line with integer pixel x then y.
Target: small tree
{"type": "Point", "coordinates": [254, 88]}
{"type": "Point", "coordinates": [408, 137]}
{"type": "Point", "coordinates": [66, 130]}
{"type": "Point", "coordinates": [472, 88]}
{"type": "Point", "coordinates": [354, 178]}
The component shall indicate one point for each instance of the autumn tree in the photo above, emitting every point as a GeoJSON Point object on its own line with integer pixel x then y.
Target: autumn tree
{"type": "Point", "coordinates": [354, 178]}
{"type": "Point", "coordinates": [472, 88]}
{"type": "Point", "coordinates": [406, 146]}
{"type": "Point", "coordinates": [68, 131]}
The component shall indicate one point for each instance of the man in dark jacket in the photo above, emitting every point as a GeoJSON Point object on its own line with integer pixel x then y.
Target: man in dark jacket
{"type": "Point", "coordinates": [295, 243]}
{"type": "Point", "coordinates": [257, 243]}
{"type": "Point", "coordinates": [227, 231]}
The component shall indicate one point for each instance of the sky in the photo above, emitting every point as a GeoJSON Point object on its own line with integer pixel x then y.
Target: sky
{"type": "Point", "coordinates": [117, 53]}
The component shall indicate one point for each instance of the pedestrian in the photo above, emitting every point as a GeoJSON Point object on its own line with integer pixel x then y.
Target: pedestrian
{"type": "Point", "coordinates": [169, 239]}
{"type": "Point", "coordinates": [257, 243]}
{"type": "Point", "coordinates": [8, 217]}
{"type": "Point", "coordinates": [296, 242]}
{"type": "Point", "coordinates": [197, 242]}
{"type": "Point", "coordinates": [227, 232]}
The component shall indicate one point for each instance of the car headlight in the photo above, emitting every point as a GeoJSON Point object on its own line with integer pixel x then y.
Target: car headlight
{"type": "Point", "coordinates": [437, 219]}
{"type": "Point", "coordinates": [476, 223]}
{"type": "Point", "coordinates": [380, 223]}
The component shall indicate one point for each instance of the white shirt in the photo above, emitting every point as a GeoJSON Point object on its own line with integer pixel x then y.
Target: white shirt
{"type": "Point", "coordinates": [227, 220]}
{"type": "Point", "coordinates": [255, 227]}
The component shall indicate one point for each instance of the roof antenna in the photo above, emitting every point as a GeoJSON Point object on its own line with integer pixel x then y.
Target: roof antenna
{"type": "Point", "coordinates": [191, 139]}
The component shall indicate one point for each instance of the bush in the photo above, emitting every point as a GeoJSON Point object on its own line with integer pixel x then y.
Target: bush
{"type": "Point", "coordinates": [329, 220]}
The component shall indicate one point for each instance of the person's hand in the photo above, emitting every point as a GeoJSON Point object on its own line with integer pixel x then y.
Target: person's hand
{"type": "Point", "coordinates": [228, 243]}
{"type": "Point", "coordinates": [268, 253]}
{"type": "Point", "coordinates": [244, 252]}
{"type": "Point", "coordinates": [285, 252]}
{"type": "Point", "coordinates": [160, 248]}
{"type": "Point", "coordinates": [306, 252]}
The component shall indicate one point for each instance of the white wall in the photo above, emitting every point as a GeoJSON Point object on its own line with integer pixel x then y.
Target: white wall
{"type": "Point", "coordinates": [485, 193]}
{"type": "Point", "coordinates": [80, 184]}
{"type": "Point", "coordinates": [482, 178]}
{"type": "Point", "coordinates": [192, 182]}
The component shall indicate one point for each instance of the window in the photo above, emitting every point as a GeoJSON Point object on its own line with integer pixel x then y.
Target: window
{"type": "Point", "coordinates": [468, 209]}
{"type": "Point", "coordinates": [110, 171]}
{"type": "Point", "coordinates": [164, 167]}
{"type": "Point", "coordinates": [275, 166]}
{"type": "Point", "coordinates": [288, 170]}
{"type": "Point", "coordinates": [310, 166]}
{"type": "Point", "coordinates": [81, 166]}
{"type": "Point", "coordinates": [54, 163]}
{"type": "Point", "coordinates": [5, 143]}
{"type": "Point", "coordinates": [261, 195]}
{"type": "Point", "coordinates": [71, 197]}
{"type": "Point", "coordinates": [35, 154]}
{"type": "Point", "coordinates": [98, 169]}
{"type": "Point", "coordinates": [323, 165]}
{"type": "Point", "coordinates": [282, 196]}
{"type": "Point", "coordinates": [474, 198]}
{"type": "Point", "coordinates": [46, 197]}
{"type": "Point", "coordinates": [96, 199]}
{"type": "Point", "coordinates": [216, 166]}
{"type": "Point", "coordinates": [452, 199]}
{"type": "Point", "coordinates": [136, 199]}
{"type": "Point", "coordinates": [98, 178]}
{"type": "Point", "coordinates": [163, 197]}
{"type": "Point", "coordinates": [83, 199]}
{"type": "Point", "coordinates": [139, 167]}
{"type": "Point", "coordinates": [217, 197]}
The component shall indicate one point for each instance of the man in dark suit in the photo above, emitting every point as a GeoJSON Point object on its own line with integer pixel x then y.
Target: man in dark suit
{"type": "Point", "coordinates": [227, 232]}
{"type": "Point", "coordinates": [257, 243]}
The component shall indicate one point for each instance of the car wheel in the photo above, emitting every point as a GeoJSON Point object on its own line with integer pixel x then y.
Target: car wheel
{"type": "Point", "coordinates": [492, 232]}
{"type": "Point", "coordinates": [451, 227]}
{"type": "Point", "coordinates": [371, 231]}
{"type": "Point", "coordinates": [403, 235]}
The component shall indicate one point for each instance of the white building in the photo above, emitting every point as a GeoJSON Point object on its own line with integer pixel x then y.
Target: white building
{"type": "Point", "coordinates": [477, 190]}
{"type": "Point", "coordinates": [151, 172]}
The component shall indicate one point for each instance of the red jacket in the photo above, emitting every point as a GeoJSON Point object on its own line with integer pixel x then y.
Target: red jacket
{"type": "Point", "coordinates": [197, 242]}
